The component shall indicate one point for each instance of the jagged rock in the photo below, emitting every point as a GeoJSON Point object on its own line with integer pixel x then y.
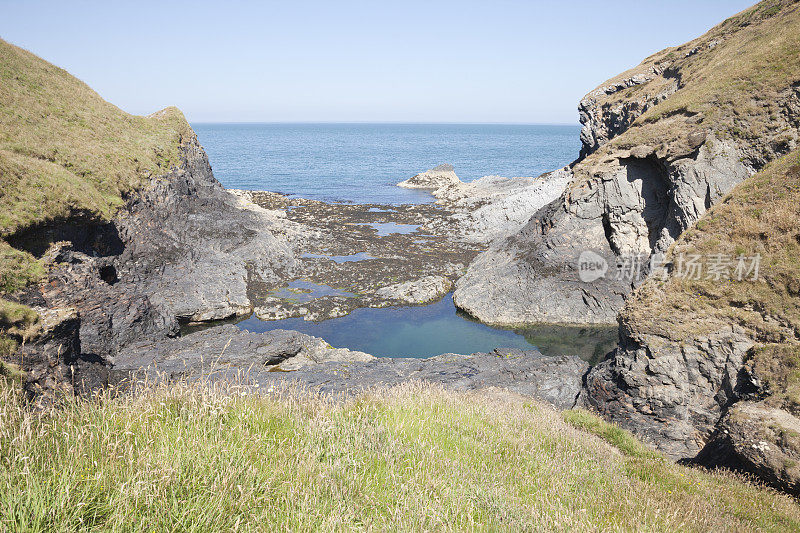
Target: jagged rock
{"type": "Point", "coordinates": [419, 291]}
{"type": "Point", "coordinates": [759, 439]}
{"type": "Point", "coordinates": [671, 394]}
{"type": "Point", "coordinates": [621, 207]}
{"type": "Point", "coordinates": [188, 250]}
{"type": "Point", "coordinates": [605, 118]}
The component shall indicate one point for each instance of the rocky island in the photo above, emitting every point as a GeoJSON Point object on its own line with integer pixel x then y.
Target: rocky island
{"type": "Point", "coordinates": [115, 236]}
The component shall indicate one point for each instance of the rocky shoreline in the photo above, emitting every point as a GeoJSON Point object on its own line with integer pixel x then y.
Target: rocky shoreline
{"type": "Point", "coordinates": [661, 153]}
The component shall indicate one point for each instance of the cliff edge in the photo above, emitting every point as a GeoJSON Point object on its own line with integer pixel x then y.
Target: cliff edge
{"type": "Point", "coordinates": [662, 143]}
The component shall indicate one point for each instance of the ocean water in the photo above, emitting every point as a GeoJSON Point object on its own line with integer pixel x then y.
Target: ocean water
{"type": "Point", "coordinates": [362, 163]}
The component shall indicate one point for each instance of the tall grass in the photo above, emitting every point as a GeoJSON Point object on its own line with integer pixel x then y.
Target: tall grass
{"type": "Point", "coordinates": [217, 458]}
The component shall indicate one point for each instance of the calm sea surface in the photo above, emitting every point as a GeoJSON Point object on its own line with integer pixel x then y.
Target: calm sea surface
{"type": "Point", "coordinates": [361, 163]}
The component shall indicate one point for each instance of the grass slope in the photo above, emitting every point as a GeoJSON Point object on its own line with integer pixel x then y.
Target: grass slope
{"type": "Point", "coordinates": [64, 151]}
{"type": "Point", "coordinates": [412, 458]}
{"type": "Point", "coordinates": [731, 83]}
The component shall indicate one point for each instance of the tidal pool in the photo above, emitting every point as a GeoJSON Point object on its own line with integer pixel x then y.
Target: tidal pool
{"type": "Point", "coordinates": [387, 228]}
{"type": "Point", "coordinates": [439, 328]}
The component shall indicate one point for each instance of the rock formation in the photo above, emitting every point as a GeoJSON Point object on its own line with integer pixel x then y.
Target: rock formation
{"type": "Point", "coordinates": [661, 144]}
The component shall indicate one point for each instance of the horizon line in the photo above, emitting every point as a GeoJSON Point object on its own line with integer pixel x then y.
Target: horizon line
{"type": "Point", "coordinates": [365, 122]}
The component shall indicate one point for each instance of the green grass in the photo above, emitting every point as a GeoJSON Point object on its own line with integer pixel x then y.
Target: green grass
{"type": "Point", "coordinates": [64, 152]}
{"type": "Point", "coordinates": [203, 458]}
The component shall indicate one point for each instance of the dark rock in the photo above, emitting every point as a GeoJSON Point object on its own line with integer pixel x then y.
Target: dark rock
{"type": "Point", "coordinates": [225, 353]}
{"type": "Point", "coordinates": [671, 394]}
{"type": "Point", "coordinates": [758, 439]}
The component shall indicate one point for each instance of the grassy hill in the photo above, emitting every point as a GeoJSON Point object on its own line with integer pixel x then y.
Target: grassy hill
{"type": "Point", "coordinates": [197, 458]}
{"type": "Point", "coordinates": [66, 152]}
{"type": "Point", "coordinates": [734, 81]}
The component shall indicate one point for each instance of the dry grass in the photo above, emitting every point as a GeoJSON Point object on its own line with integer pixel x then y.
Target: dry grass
{"type": "Point", "coordinates": [203, 458]}
{"type": "Point", "coordinates": [731, 80]}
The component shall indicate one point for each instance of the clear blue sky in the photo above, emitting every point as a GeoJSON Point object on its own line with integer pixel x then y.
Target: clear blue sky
{"type": "Point", "coordinates": [407, 61]}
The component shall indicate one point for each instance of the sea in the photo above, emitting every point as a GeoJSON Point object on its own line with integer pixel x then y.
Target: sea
{"type": "Point", "coordinates": [362, 163]}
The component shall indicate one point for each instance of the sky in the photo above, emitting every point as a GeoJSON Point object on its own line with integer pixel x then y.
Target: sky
{"type": "Point", "coordinates": [346, 61]}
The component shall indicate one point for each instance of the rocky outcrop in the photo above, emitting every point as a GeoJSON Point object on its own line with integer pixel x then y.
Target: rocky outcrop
{"type": "Point", "coordinates": [183, 249]}
{"type": "Point", "coordinates": [630, 206]}
{"type": "Point", "coordinates": [671, 394]}
{"type": "Point", "coordinates": [706, 365]}
{"type": "Point", "coordinates": [227, 347]}
{"type": "Point", "coordinates": [264, 360]}
{"type": "Point", "coordinates": [661, 144]}
{"type": "Point", "coordinates": [756, 438]}
{"type": "Point", "coordinates": [604, 117]}
{"type": "Point", "coordinates": [436, 178]}
{"type": "Point", "coordinates": [490, 207]}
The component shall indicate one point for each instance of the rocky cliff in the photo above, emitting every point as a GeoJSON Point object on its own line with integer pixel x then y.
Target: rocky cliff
{"type": "Point", "coordinates": [707, 365]}
{"type": "Point", "coordinates": [120, 224]}
{"type": "Point", "coordinates": [662, 143]}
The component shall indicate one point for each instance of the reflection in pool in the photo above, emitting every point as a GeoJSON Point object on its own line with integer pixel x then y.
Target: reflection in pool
{"type": "Point", "coordinates": [439, 328]}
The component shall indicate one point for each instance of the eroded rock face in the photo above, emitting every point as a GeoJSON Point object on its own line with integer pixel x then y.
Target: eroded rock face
{"type": "Point", "coordinates": [762, 440]}
{"type": "Point", "coordinates": [604, 118]}
{"type": "Point", "coordinates": [672, 394]}
{"type": "Point", "coordinates": [631, 204]}
{"type": "Point", "coordinates": [195, 249]}
{"type": "Point", "coordinates": [187, 251]}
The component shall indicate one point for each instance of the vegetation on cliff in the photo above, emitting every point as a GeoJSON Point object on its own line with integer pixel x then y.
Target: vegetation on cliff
{"type": "Point", "coordinates": [199, 458]}
{"type": "Point", "coordinates": [67, 153]}
{"type": "Point", "coordinates": [760, 216]}
{"type": "Point", "coordinates": [735, 82]}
